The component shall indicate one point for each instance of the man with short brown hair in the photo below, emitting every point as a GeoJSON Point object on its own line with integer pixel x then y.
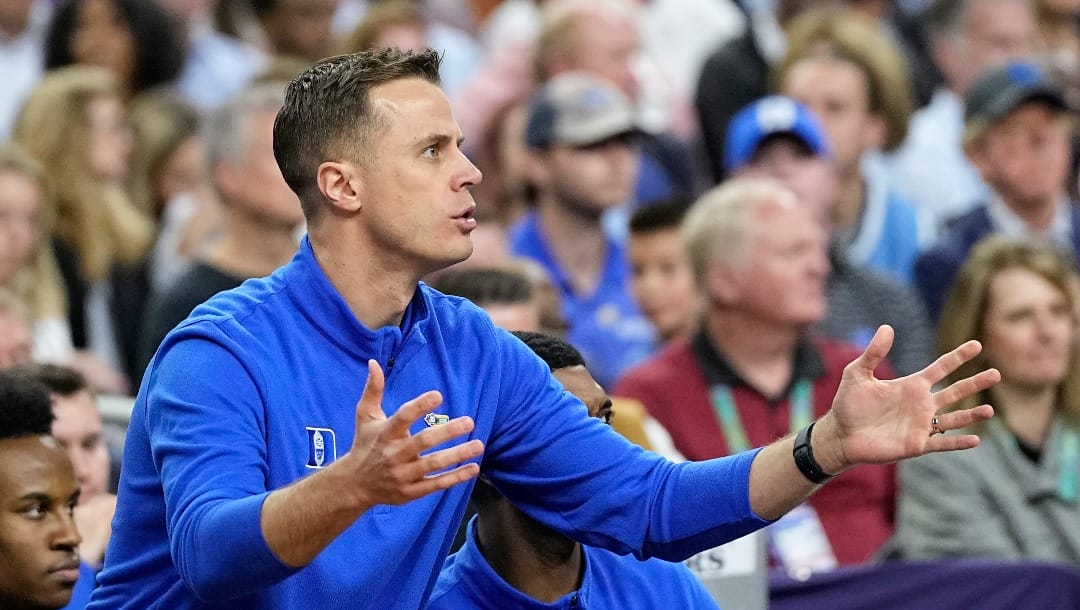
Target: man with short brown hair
{"type": "Point", "coordinates": [1017, 133]}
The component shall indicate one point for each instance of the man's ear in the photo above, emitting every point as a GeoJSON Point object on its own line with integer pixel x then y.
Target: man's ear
{"type": "Point", "coordinates": [339, 182]}
{"type": "Point", "coordinates": [973, 149]}
{"type": "Point", "coordinates": [722, 283]}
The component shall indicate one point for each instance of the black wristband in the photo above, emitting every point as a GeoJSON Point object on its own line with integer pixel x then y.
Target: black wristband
{"type": "Point", "coordinates": [804, 457]}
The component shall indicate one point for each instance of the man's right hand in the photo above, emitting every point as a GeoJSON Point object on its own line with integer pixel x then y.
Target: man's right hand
{"type": "Point", "coordinates": [386, 465]}
{"type": "Point", "coordinates": [391, 464]}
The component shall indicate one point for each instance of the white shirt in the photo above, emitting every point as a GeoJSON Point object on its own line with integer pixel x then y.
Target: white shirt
{"type": "Point", "coordinates": [931, 169]}
{"type": "Point", "coordinates": [679, 36]}
{"type": "Point", "coordinates": [52, 340]}
{"type": "Point", "coordinates": [217, 67]}
{"type": "Point", "coordinates": [22, 61]}
{"type": "Point", "coordinates": [1009, 224]}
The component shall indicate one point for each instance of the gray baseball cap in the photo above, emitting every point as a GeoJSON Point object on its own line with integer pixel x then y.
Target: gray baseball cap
{"type": "Point", "coordinates": [578, 109]}
{"type": "Point", "coordinates": [999, 91]}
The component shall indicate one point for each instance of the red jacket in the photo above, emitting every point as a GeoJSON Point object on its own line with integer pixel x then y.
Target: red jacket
{"type": "Point", "coordinates": [856, 509]}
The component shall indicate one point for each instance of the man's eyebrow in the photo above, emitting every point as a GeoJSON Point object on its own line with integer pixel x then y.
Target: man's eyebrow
{"type": "Point", "coordinates": [36, 496]}
{"type": "Point", "coordinates": [439, 138]}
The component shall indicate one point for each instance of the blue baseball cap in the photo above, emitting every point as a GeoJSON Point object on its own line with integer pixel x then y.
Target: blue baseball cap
{"type": "Point", "coordinates": [770, 116]}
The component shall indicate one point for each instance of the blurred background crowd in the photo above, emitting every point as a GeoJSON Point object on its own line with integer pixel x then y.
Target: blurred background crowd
{"type": "Point", "coordinates": [635, 157]}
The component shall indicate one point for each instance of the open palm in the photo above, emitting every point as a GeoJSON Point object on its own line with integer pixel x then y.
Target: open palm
{"type": "Point", "coordinates": [885, 420]}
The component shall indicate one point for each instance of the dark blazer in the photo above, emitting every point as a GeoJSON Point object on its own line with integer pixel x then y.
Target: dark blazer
{"type": "Point", "coordinates": [732, 77]}
{"type": "Point", "coordinates": [936, 267]}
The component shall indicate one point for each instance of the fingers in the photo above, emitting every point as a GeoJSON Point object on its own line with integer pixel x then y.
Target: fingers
{"type": "Point", "coordinates": [964, 418]}
{"type": "Point", "coordinates": [947, 363]}
{"type": "Point", "coordinates": [407, 477]}
{"type": "Point", "coordinates": [875, 352]}
{"type": "Point", "coordinates": [946, 442]}
{"type": "Point", "coordinates": [443, 480]}
{"type": "Point", "coordinates": [967, 387]}
{"type": "Point", "coordinates": [414, 445]}
{"type": "Point", "coordinates": [439, 460]}
{"type": "Point", "coordinates": [956, 420]}
{"type": "Point", "coordinates": [369, 407]}
{"type": "Point", "coordinates": [410, 412]}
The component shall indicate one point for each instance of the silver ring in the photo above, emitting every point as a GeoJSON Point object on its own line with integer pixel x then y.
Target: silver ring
{"type": "Point", "coordinates": [935, 426]}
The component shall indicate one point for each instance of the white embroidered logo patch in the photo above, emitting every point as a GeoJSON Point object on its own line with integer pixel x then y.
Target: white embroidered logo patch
{"type": "Point", "coordinates": [322, 447]}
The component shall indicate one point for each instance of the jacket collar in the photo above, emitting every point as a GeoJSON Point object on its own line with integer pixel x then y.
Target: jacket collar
{"type": "Point", "coordinates": [320, 303]}
{"type": "Point", "coordinates": [718, 371]}
{"type": "Point", "coordinates": [484, 583]}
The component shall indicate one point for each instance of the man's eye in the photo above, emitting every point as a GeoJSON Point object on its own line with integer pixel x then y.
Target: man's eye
{"type": "Point", "coordinates": [36, 511]}
{"type": "Point", "coordinates": [431, 151]}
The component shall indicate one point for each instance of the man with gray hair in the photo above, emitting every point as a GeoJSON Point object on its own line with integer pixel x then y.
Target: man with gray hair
{"type": "Point", "coordinates": [753, 373]}
{"type": "Point", "coordinates": [261, 213]}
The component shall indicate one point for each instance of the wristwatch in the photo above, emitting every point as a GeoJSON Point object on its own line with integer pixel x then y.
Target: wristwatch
{"type": "Point", "coordinates": [804, 457]}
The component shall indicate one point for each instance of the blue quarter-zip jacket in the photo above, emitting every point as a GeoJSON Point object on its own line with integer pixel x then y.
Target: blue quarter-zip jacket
{"type": "Point", "coordinates": [258, 388]}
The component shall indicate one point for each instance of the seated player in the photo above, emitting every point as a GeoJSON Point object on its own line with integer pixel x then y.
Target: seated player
{"type": "Point", "coordinates": [39, 543]}
{"type": "Point", "coordinates": [510, 560]}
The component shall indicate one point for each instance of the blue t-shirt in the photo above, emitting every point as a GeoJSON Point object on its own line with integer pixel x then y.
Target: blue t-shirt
{"type": "Point", "coordinates": [608, 581]}
{"type": "Point", "coordinates": [891, 232]}
{"type": "Point", "coordinates": [606, 326]}
{"type": "Point", "coordinates": [258, 388]}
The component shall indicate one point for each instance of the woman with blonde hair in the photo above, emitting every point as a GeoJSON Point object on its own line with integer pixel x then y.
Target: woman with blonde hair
{"type": "Point", "coordinates": [28, 270]}
{"type": "Point", "coordinates": [73, 124]}
{"type": "Point", "coordinates": [1017, 495]}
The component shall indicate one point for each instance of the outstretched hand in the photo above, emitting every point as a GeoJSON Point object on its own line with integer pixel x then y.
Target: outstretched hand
{"type": "Point", "coordinates": [386, 465]}
{"type": "Point", "coordinates": [879, 421]}
{"type": "Point", "coordinates": [391, 462]}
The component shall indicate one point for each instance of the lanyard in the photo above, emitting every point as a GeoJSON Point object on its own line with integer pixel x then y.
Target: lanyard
{"type": "Point", "coordinates": [1069, 472]}
{"type": "Point", "coordinates": [802, 408]}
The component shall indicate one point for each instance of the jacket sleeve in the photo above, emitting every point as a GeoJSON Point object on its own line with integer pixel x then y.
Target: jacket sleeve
{"type": "Point", "coordinates": [579, 477]}
{"type": "Point", "coordinates": [207, 434]}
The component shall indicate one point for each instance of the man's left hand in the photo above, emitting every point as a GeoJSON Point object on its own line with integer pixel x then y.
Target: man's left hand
{"type": "Point", "coordinates": [878, 421]}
